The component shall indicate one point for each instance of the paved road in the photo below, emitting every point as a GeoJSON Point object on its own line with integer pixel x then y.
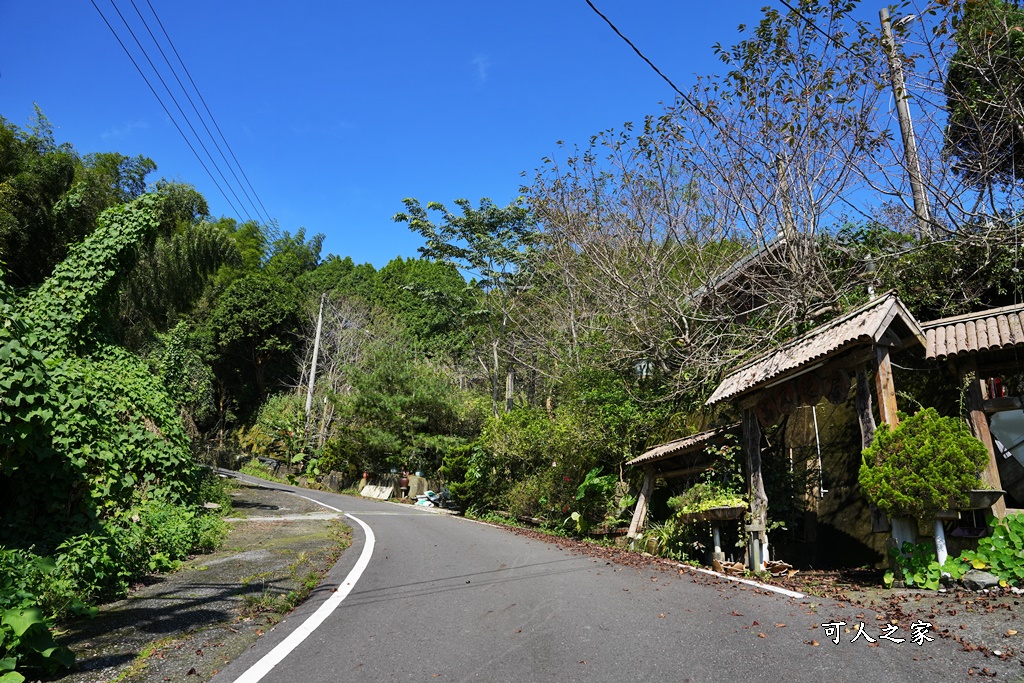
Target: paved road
{"type": "Point", "coordinates": [445, 598]}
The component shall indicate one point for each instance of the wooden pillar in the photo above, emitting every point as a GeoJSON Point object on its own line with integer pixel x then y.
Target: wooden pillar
{"type": "Point", "coordinates": [885, 387]}
{"type": "Point", "coordinates": [755, 484]}
{"type": "Point", "coordinates": [640, 512]}
{"type": "Point", "coordinates": [865, 413]}
{"type": "Point", "coordinates": [968, 371]}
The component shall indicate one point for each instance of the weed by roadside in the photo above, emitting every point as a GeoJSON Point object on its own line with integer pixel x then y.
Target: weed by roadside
{"type": "Point", "coordinates": [305, 573]}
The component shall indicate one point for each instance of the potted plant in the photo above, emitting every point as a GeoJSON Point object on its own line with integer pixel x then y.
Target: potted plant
{"type": "Point", "coordinates": [926, 464]}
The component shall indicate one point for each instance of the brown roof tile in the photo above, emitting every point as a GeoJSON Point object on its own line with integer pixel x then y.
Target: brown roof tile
{"type": "Point", "coordinates": [989, 330]}
{"type": "Point", "coordinates": [866, 324]}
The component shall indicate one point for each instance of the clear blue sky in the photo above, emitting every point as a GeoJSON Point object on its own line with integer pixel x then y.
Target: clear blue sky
{"type": "Point", "coordinates": [338, 110]}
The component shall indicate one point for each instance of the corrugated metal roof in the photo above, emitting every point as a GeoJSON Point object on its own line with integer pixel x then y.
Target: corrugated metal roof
{"type": "Point", "coordinates": [865, 324]}
{"type": "Point", "coordinates": [990, 330]}
{"type": "Point", "coordinates": [681, 446]}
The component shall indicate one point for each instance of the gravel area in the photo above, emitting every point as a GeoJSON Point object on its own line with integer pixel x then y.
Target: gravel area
{"type": "Point", "coordinates": [187, 625]}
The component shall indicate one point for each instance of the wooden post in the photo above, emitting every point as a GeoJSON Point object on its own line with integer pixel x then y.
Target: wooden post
{"type": "Point", "coordinates": [979, 427]}
{"type": "Point", "coordinates": [640, 512]}
{"type": "Point", "coordinates": [865, 414]}
{"type": "Point", "coordinates": [885, 387]}
{"type": "Point", "coordinates": [755, 484]}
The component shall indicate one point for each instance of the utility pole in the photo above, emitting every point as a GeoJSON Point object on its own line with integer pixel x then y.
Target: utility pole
{"type": "Point", "coordinates": [316, 352]}
{"type": "Point", "coordinates": [899, 90]}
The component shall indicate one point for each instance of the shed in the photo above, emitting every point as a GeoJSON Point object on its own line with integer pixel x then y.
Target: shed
{"type": "Point", "coordinates": [679, 458]}
{"type": "Point", "coordinates": [814, 365]}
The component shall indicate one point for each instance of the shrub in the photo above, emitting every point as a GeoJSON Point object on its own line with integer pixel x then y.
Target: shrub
{"type": "Point", "coordinates": [927, 463]}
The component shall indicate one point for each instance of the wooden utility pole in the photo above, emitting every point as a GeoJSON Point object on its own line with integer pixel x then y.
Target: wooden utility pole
{"type": "Point", "coordinates": [899, 91]}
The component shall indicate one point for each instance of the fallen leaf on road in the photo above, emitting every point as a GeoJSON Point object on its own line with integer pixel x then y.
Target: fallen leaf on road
{"type": "Point", "coordinates": [813, 643]}
{"type": "Point", "coordinates": [735, 613]}
{"type": "Point", "coordinates": [1010, 632]}
{"type": "Point", "coordinates": [780, 626]}
{"type": "Point", "coordinates": [661, 616]}
{"type": "Point", "coordinates": [761, 635]}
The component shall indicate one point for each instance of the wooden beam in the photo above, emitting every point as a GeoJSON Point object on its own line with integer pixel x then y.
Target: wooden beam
{"type": "Point", "coordinates": [979, 427]}
{"type": "Point", "coordinates": [696, 469]}
{"type": "Point", "coordinates": [885, 387]}
{"type": "Point", "coordinates": [640, 512]}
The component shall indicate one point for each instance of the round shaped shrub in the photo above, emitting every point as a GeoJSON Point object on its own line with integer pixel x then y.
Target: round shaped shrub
{"type": "Point", "coordinates": [926, 464]}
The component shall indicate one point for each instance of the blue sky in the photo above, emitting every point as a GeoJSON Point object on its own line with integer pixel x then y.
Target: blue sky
{"type": "Point", "coordinates": [338, 110]}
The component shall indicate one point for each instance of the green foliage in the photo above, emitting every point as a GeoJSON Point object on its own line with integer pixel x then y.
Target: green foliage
{"type": "Point", "coordinates": [188, 379]}
{"type": "Point", "coordinates": [403, 411]}
{"type": "Point", "coordinates": [983, 91]}
{"type": "Point", "coordinates": [1002, 553]}
{"type": "Point", "coordinates": [594, 497]}
{"type": "Point", "coordinates": [918, 566]}
{"type": "Point", "coordinates": [430, 300]}
{"type": "Point", "coordinates": [926, 464]}
{"type": "Point", "coordinates": [254, 327]}
{"type": "Point", "coordinates": [704, 496]}
{"type": "Point", "coordinates": [670, 539]}
{"type": "Point", "coordinates": [255, 468]}
{"type": "Point", "coordinates": [292, 255]}
{"type": "Point", "coordinates": [975, 267]}
{"type": "Point", "coordinates": [27, 644]}
{"type": "Point", "coordinates": [279, 433]}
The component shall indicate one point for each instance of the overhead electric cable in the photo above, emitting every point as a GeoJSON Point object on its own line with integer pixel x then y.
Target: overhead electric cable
{"type": "Point", "coordinates": [196, 109]}
{"type": "Point", "coordinates": [205, 106]}
{"type": "Point", "coordinates": [831, 39]}
{"type": "Point", "coordinates": [164, 106]}
{"type": "Point", "coordinates": [180, 110]}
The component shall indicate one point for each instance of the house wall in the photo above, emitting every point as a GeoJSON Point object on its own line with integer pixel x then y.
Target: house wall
{"type": "Point", "coordinates": [837, 528]}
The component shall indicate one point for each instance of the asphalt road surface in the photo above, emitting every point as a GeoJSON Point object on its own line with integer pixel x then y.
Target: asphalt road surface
{"type": "Point", "coordinates": [442, 598]}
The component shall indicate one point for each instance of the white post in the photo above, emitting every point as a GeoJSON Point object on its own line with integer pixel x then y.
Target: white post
{"type": "Point", "coordinates": [718, 554]}
{"type": "Point", "coordinates": [940, 543]}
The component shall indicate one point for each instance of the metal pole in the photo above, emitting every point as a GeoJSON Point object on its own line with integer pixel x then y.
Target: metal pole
{"type": "Point", "coordinates": [899, 89]}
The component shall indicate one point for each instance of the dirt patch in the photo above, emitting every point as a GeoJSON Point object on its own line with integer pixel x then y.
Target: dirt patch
{"type": "Point", "coordinates": [187, 625]}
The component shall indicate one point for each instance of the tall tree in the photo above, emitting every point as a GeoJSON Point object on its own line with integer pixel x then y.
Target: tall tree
{"type": "Point", "coordinates": [493, 245]}
{"type": "Point", "coordinates": [985, 93]}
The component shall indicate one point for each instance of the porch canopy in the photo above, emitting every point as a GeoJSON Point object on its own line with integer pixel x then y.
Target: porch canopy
{"type": "Point", "coordinates": [815, 365]}
{"type": "Point", "coordinates": [977, 346]}
{"type": "Point", "coordinates": [679, 458]}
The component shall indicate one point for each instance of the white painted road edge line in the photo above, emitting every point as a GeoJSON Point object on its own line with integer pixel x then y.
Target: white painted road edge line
{"type": "Point", "coordinates": [261, 668]}
{"type": "Point", "coordinates": [765, 586]}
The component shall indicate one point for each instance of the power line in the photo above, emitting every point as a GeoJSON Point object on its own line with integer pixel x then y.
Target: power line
{"type": "Point", "coordinates": [164, 106]}
{"type": "Point", "coordinates": [640, 54]}
{"type": "Point", "coordinates": [831, 39]}
{"type": "Point", "coordinates": [195, 109]}
{"type": "Point", "coordinates": [265, 216]}
{"type": "Point", "coordinates": [180, 110]}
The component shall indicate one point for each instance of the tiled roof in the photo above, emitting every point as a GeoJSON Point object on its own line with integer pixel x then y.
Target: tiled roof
{"type": "Point", "coordinates": [680, 446]}
{"type": "Point", "coordinates": [991, 330]}
{"type": "Point", "coordinates": [866, 324]}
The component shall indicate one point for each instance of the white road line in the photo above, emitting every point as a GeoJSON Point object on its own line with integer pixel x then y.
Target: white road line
{"type": "Point", "coordinates": [261, 668]}
{"type": "Point", "coordinates": [737, 579]}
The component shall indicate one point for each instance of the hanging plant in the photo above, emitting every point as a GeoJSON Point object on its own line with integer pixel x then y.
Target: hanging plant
{"type": "Point", "coordinates": [926, 464]}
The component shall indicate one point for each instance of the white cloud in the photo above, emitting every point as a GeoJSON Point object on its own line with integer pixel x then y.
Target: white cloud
{"type": "Point", "coordinates": [483, 66]}
{"type": "Point", "coordinates": [123, 130]}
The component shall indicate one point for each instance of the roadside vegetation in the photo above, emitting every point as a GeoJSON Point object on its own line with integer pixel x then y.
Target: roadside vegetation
{"type": "Point", "coordinates": [528, 352]}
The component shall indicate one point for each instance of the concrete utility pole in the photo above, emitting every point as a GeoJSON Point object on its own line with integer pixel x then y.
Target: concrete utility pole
{"type": "Point", "coordinates": [899, 90]}
{"type": "Point", "coordinates": [316, 352]}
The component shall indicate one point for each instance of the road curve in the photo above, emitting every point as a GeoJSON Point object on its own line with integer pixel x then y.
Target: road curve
{"type": "Point", "coordinates": [445, 598]}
